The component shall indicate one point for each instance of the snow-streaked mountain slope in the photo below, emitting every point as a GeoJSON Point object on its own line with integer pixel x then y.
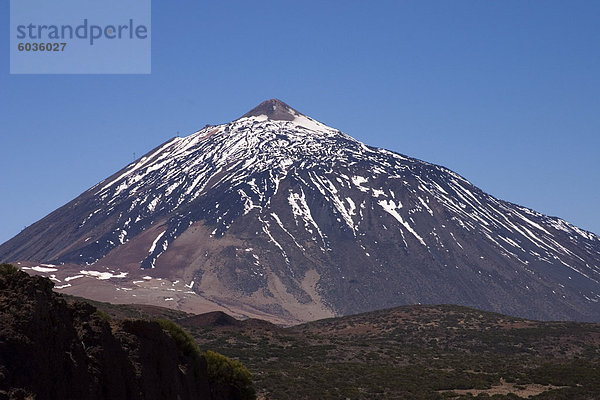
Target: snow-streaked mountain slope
{"type": "Point", "coordinates": [291, 217]}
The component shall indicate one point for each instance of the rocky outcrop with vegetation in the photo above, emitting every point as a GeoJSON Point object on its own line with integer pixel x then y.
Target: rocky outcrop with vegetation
{"type": "Point", "coordinates": [54, 349]}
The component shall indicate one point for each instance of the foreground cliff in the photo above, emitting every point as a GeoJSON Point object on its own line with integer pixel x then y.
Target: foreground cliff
{"type": "Point", "coordinates": [51, 349]}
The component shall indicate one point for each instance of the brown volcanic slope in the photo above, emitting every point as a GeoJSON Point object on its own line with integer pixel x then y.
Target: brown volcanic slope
{"type": "Point", "coordinates": [280, 217]}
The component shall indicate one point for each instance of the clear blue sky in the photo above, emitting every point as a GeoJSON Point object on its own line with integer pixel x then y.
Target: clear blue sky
{"type": "Point", "coordinates": [506, 93]}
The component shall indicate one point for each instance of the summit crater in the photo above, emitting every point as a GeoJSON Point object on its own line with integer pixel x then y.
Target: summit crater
{"type": "Point", "coordinates": [273, 109]}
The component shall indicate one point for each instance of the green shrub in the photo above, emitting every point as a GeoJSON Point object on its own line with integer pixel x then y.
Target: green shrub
{"type": "Point", "coordinates": [224, 370]}
{"type": "Point", "coordinates": [103, 315]}
{"type": "Point", "coordinates": [221, 369]}
{"type": "Point", "coordinates": [8, 270]}
{"type": "Point", "coordinates": [186, 342]}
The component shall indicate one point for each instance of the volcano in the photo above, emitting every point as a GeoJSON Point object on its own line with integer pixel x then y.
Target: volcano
{"type": "Point", "coordinates": [279, 216]}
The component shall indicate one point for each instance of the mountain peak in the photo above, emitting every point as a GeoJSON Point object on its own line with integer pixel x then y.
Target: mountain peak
{"type": "Point", "coordinates": [274, 109]}
{"type": "Point", "coordinates": [280, 216]}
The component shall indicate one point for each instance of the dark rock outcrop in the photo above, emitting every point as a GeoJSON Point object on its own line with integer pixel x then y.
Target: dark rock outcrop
{"type": "Point", "coordinates": [51, 349]}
